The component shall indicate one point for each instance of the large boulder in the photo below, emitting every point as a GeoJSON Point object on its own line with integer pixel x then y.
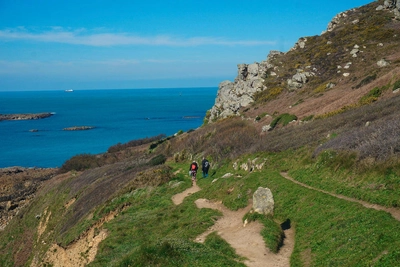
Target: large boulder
{"type": "Point", "coordinates": [263, 201]}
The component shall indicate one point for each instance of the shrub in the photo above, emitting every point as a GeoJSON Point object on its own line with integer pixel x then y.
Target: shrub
{"type": "Point", "coordinates": [366, 80]}
{"type": "Point", "coordinates": [371, 96]}
{"type": "Point", "coordinates": [268, 94]}
{"type": "Point", "coordinates": [308, 118]}
{"type": "Point", "coordinates": [396, 85]}
{"type": "Point", "coordinates": [134, 143]}
{"type": "Point", "coordinates": [80, 162]}
{"type": "Point", "coordinates": [283, 119]}
{"type": "Point", "coordinates": [158, 160]}
{"type": "Point", "coordinates": [320, 89]}
{"type": "Point", "coordinates": [336, 112]}
{"type": "Point", "coordinates": [262, 115]}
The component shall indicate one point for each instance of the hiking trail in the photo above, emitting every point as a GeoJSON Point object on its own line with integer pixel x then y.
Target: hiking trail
{"type": "Point", "coordinates": [245, 239]}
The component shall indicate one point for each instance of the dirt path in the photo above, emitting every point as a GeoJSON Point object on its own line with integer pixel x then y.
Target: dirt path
{"type": "Point", "coordinates": [178, 198]}
{"type": "Point", "coordinates": [245, 239]}
{"type": "Point", "coordinates": [393, 211]}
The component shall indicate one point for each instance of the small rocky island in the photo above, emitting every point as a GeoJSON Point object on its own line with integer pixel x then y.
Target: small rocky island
{"type": "Point", "coordinates": [24, 116]}
{"type": "Point", "coordinates": [78, 128]}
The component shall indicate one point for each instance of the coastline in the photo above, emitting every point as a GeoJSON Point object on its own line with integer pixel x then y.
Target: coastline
{"type": "Point", "coordinates": [111, 116]}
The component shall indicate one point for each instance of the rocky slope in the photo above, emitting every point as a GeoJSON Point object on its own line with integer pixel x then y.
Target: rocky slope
{"type": "Point", "coordinates": [358, 43]}
{"type": "Point", "coordinates": [17, 187]}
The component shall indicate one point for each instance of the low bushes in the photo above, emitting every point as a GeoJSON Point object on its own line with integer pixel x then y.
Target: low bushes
{"type": "Point", "coordinates": [133, 143]}
{"type": "Point", "coordinates": [80, 162]}
{"type": "Point", "coordinates": [283, 119]}
{"type": "Point", "coordinates": [158, 160]}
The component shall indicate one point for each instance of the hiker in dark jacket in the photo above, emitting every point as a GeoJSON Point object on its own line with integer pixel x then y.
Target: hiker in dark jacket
{"type": "Point", "coordinates": [205, 165]}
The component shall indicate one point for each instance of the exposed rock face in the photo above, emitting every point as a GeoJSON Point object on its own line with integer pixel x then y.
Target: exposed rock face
{"type": "Point", "coordinates": [393, 5]}
{"type": "Point", "coordinates": [263, 201]}
{"type": "Point", "coordinates": [234, 95]}
{"type": "Point", "coordinates": [17, 187]}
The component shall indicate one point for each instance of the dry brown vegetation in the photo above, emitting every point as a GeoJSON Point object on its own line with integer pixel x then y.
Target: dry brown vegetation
{"type": "Point", "coordinates": [230, 138]}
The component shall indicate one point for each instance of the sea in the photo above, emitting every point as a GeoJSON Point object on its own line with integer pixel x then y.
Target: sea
{"type": "Point", "coordinates": [118, 116]}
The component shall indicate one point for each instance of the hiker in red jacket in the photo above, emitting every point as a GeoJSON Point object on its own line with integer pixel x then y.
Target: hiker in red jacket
{"type": "Point", "coordinates": [193, 170]}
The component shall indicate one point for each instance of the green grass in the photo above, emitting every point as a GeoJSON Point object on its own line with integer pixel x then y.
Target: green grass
{"type": "Point", "coordinates": [152, 231]}
{"type": "Point", "coordinates": [329, 231]}
{"type": "Point", "coordinates": [339, 173]}
{"type": "Point", "coordinates": [155, 232]}
{"type": "Point", "coordinates": [333, 232]}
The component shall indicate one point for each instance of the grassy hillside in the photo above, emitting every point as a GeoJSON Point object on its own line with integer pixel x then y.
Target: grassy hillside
{"type": "Point", "coordinates": [342, 153]}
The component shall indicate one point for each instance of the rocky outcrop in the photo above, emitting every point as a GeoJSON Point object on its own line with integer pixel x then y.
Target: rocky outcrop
{"type": "Point", "coordinates": [78, 128]}
{"type": "Point", "coordinates": [233, 96]}
{"type": "Point", "coordinates": [299, 79]}
{"type": "Point", "coordinates": [239, 93]}
{"type": "Point", "coordinates": [29, 116]}
{"type": "Point", "coordinates": [392, 5]}
{"type": "Point", "coordinates": [336, 21]}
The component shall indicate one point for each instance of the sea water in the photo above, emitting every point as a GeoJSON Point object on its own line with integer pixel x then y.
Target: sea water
{"type": "Point", "coordinates": [118, 116]}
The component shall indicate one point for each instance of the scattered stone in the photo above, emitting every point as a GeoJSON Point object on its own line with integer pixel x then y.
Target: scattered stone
{"type": "Point", "coordinates": [227, 175]}
{"type": "Point", "coordinates": [266, 128]}
{"type": "Point", "coordinates": [382, 63]}
{"type": "Point", "coordinates": [354, 52]}
{"type": "Point", "coordinates": [330, 85]}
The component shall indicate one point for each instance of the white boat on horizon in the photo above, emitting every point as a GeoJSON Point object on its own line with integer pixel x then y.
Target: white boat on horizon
{"type": "Point", "coordinates": [69, 90]}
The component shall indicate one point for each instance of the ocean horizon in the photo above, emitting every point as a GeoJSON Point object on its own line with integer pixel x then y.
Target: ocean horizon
{"type": "Point", "coordinates": [116, 115]}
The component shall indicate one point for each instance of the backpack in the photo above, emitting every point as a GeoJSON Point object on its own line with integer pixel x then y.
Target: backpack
{"type": "Point", "coordinates": [193, 167]}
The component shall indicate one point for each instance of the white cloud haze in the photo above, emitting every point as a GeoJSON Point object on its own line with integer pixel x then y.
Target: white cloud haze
{"type": "Point", "coordinates": [84, 37]}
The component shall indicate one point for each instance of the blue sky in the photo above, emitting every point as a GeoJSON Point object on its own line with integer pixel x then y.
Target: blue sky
{"type": "Point", "coordinates": [87, 44]}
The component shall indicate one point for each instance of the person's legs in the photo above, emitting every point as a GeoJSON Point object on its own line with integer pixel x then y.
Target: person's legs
{"type": "Point", "coordinates": [193, 176]}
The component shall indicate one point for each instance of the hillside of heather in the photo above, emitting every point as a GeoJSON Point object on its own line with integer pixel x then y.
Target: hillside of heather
{"type": "Point", "coordinates": [330, 158]}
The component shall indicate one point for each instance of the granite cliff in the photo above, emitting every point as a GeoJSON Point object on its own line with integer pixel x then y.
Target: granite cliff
{"type": "Point", "coordinates": [356, 43]}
